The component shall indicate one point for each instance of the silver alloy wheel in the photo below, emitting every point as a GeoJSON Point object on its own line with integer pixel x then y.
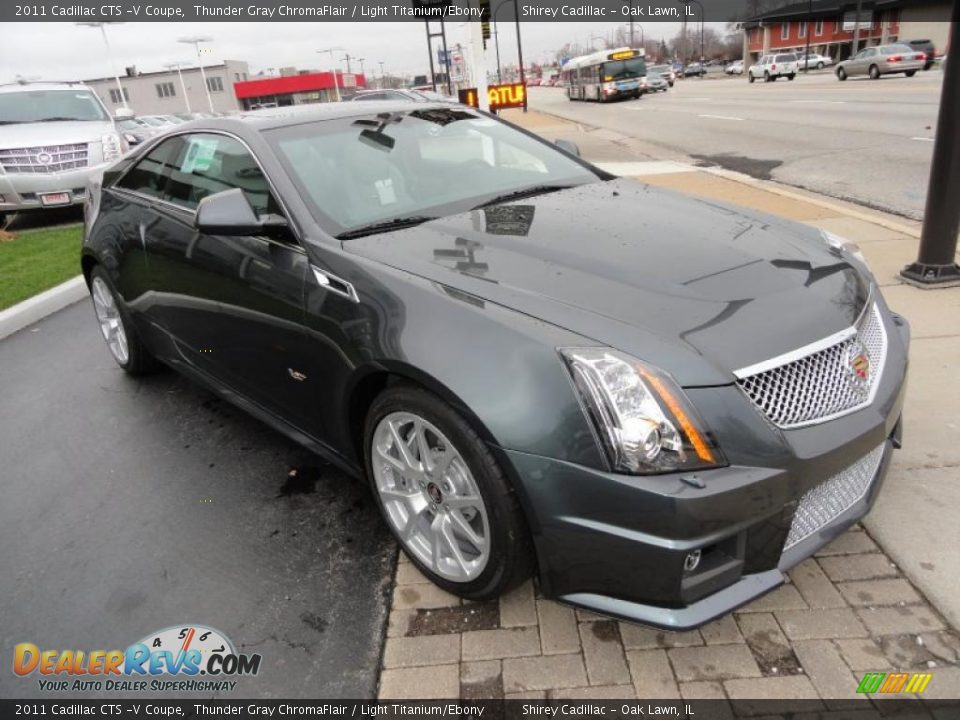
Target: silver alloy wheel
{"type": "Point", "coordinates": [111, 324]}
{"type": "Point", "coordinates": [430, 496]}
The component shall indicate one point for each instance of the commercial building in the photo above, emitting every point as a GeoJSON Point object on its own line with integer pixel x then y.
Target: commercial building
{"type": "Point", "coordinates": [156, 93]}
{"type": "Point", "coordinates": [231, 88]}
{"type": "Point", "coordinates": [829, 26]}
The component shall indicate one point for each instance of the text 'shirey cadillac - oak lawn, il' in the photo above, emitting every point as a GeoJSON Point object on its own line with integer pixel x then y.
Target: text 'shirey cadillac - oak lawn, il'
{"type": "Point", "coordinates": [655, 403]}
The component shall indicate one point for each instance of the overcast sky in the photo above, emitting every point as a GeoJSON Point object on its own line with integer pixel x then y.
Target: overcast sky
{"type": "Point", "coordinates": [63, 51]}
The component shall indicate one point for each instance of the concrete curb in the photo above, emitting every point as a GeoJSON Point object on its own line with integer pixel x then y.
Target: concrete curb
{"type": "Point", "coordinates": [39, 306]}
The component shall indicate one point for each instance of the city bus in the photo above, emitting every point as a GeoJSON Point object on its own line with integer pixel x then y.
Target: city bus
{"type": "Point", "coordinates": [605, 75]}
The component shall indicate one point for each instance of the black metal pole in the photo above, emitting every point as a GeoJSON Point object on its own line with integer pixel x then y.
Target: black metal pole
{"type": "Point", "coordinates": [936, 260]}
{"type": "Point", "coordinates": [631, 23]}
{"type": "Point", "coordinates": [446, 58]}
{"type": "Point", "coordinates": [523, 79]}
{"type": "Point", "coordinates": [806, 57]}
{"type": "Point", "coordinates": [433, 79]}
{"type": "Point", "coordinates": [496, 43]}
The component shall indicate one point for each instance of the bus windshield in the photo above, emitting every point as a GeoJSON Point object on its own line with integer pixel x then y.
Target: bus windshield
{"type": "Point", "coordinates": [624, 69]}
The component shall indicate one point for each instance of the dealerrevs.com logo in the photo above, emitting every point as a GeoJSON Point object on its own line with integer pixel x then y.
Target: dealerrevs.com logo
{"type": "Point", "coordinates": [182, 658]}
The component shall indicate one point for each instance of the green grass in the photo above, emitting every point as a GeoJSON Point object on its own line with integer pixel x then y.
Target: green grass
{"type": "Point", "coordinates": [36, 260]}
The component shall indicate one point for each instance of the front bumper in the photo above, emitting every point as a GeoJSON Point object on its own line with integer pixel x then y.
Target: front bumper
{"type": "Point", "coordinates": [23, 192]}
{"type": "Point", "coordinates": [617, 544]}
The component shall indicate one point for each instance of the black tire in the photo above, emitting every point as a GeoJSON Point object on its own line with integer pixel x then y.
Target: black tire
{"type": "Point", "coordinates": [819, 66]}
{"type": "Point", "coordinates": [140, 361]}
{"type": "Point", "coordinates": [791, 76]}
{"type": "Point", "coordinates": [874, 72]}
{"type": "Point", "coordinates": [841, 74]}
{"type": "Point", "coordinates": [910, 73]}
{"type": "Point", "coordinates": [766, 76]}
{"type": "Point", "coordinates": [751, 78]}
{"type": "Point", "coordinates": [511, 559]}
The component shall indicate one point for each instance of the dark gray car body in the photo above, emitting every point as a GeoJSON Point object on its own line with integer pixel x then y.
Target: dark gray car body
{"type": "Point", "coordinates": [474, 306]}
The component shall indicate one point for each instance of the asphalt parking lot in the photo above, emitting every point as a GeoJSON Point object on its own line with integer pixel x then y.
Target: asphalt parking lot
{"type": "Point", "coordinates": [866, 141]}
{"type": "Point", "coordinates": [131, 506]}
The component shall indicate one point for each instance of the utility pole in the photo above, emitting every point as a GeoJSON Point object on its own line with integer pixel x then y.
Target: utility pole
{"type": "Point", "coordinates": [336, 83]}
{"type": "Point", "coordinates": [523, 80]}
{"type": "Point", "coordinates": [183, 86]}
{"type": "Point", "coordinates": [806, 56]}
{"type": "Point", "coordinates": [347, 58]}
{"type": "Point", "coordinates": [936, 260]}
{"type": "Point", "coordinates": [856, 30]}
{"type": "Point", "coordinates": [195, 41]}
{"type": "Point", "coordinates": [113, 67]}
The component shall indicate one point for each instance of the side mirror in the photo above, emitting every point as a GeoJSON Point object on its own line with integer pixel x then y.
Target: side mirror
{"type": "Point", "coordinates": [124, 113]}
{"type": "Point", "coordinates": [229, 213]}
{"type": "Point", "coordinates": [567, 146]}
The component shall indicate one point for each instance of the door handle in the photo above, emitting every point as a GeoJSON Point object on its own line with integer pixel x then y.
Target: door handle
{"type": "Point", "coordinates": [335, 284]}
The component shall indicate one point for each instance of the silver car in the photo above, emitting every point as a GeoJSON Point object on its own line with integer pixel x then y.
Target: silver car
{"type": "Point", "coordinates": [882, 60]}
{"type": "Point", "coordinates": [53, 137]}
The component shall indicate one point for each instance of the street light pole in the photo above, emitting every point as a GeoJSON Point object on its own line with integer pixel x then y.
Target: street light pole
{"type": "Point", "coordinates": [383, 77]}
{"type": "Point", "coordinates": [496, 37]}
{"type": "Point", "coordinates": [113, 67]}
{"type": "Point", "coordinates": [936, 260]}
{"type": "Point", "coordinates": [183, 86]}
{"type": "Point", "coordinates": [333, 65]}
{"type": "Point", "coordinates": [806, 57]}
{"type": "Point", "coordinates": [195, 41]}
{"type": "Point", "coordinates": [523, 81]}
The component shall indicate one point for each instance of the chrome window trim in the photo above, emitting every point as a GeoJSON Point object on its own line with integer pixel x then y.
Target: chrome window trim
{"type": "Point", "coordinates": [199, 131]}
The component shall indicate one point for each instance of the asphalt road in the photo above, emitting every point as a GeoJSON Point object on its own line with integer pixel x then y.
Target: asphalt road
{"type": "Point", "coordinates": [131, 506]}
{"type": "Point", "coordinates": [862, 140]}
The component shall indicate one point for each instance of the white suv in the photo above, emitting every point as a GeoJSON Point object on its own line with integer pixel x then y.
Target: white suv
{"type": "Point", "coordinates": [773, 66]}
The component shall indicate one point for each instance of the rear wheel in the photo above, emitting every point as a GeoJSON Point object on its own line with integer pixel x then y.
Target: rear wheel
{"type": "Point", "coordinates": [910, 73]}
{"type": "Point", "coordinates": [766, 76]}
{"type": "Point", "coordinates": [444, 496]}
{"type": "Point", "coordinates": [791, 76]}
{"type": "Point", "coordinates": [750, 77]}
{"type": "Point", "coordinates": [874, 72]}
{"type": "Point", "coordinates": [819, 66]}
{"type": "Point", "coordinates": [841, 74]}
{"type": "Point", "coordinates": [117, 329]}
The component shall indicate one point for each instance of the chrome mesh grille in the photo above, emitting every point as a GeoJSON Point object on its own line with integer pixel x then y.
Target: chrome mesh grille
{"type": "Point", "coordinates": [823, 384]}
{"type": "Point", "coordinates": [823, 503]}
{"type": "Point", "coordinates": [45, 159]}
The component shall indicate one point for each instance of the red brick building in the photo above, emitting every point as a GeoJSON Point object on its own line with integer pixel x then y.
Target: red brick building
{"type": "Point", "coordinates": [829, 26]}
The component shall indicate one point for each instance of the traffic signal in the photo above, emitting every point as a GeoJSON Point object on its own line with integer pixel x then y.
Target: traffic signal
{"type": "Point", "coordinates": [485, 21]}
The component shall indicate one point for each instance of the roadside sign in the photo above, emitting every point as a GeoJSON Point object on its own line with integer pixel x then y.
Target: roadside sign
{"type": "Point", "coordinates": [500, 97]}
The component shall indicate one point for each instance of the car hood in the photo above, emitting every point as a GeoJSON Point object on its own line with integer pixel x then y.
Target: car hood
{"type": "Point", "coordinates": [695, 287]}
{"type": "Point", "coordinates": [67, 132]}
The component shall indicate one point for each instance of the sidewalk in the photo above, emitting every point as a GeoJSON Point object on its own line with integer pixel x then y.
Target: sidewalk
{"type": "Point", "coordinates": [875, 600]}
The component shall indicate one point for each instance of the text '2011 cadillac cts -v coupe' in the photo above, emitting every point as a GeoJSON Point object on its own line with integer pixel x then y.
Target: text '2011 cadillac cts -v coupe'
{"type": "Point", "coordinates": [658, 404]}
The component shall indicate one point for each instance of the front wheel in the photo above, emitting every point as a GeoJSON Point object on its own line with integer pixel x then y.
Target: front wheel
{"type": "Point", "coordinates": [767, 77]}
{"type": "Point", "coordinates": [791, 76]}
{"type": "Point", "coordinates": [841, 74]}
{"type": "Point", "coordinates": [444, 496]}
{"type": "Point", "coordinates": [819, 66]}
{"type": "Point", "coordinates": [874, 72]}
{"type": "Point", "coordinates": [750, 77]}
{"type": "Point", "coordinates": [910, 73]}
{"type": "Point", "coordinates": [118, 331]}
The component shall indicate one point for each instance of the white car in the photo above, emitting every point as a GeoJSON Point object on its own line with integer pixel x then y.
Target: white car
{"type": "Point", "coordinates": [773, 66]}
{"type": "Point", "coordinates": [734, 68]}
{"type": "Point", "coordinates": [813, 60]}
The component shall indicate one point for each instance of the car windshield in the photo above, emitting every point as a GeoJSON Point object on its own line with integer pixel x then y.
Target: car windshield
{"type": "Point", "coordinates": [155, 121]}
{"type": "Point", "coordinates": [31, 106]}
{"type": "Point", "coordinates": [428, 163]}
{"type": "Point", "coordinates": [624, 69]}
{"type": "Point", "coordinates": [785, 58]}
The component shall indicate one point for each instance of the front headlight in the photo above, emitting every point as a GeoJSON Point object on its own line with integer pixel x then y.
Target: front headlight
{"type": "Point", "coordinates": [843, 245]}
{"type": "Point", "coordinates": [112, 147]}
{"type": "Point", "coordinates": [645, 421]}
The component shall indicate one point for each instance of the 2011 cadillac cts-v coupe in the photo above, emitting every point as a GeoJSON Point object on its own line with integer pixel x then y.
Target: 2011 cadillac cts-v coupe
{"type": "Point", "coordinates": [658, 403]}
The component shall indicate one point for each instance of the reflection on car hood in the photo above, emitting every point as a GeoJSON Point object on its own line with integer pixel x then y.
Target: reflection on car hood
{"type": "Point", "coordinates": [66, 132]}
{"type": "Point", "coordinates": [696, 287]}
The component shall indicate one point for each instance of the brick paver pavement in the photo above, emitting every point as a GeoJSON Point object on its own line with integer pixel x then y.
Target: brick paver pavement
{"type": "Point", "coordinates": [845, 612]}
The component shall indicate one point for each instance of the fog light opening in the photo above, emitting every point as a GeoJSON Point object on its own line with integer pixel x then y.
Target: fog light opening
{"type": "Point", "coordinates": [691, 561]}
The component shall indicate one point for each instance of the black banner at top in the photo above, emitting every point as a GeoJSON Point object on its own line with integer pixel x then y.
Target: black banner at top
{"type": "Point", "coordinates": [371, 10]}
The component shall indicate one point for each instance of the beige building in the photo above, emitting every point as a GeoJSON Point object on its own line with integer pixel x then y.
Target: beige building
{"type": "Point", "coordinates": [926, 22]}
{"type": "Point", "coordinates": [153, 93]}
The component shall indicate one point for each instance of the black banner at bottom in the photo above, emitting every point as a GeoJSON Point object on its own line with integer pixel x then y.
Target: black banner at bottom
{"type": "Point", "coordinates": [844, 709]}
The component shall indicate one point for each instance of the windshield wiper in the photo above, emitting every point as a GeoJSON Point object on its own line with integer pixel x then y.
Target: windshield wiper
{"type": "Point", "coordinates": [385, 226]}
{"type": "Point", "coordinates": [518, 194]}
{"type": "Point", "coordinates": [59, 119]}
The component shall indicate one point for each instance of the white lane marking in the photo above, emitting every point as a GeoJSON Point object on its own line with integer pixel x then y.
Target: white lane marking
{"type": "Point", "coordinates": [653, 167]}
{"type": "Point", "coordinates": [720, 117]}
{"type": "Point", "coordinates": [922, 139]}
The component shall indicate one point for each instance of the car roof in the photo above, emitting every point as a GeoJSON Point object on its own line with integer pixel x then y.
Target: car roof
{"type": "Point", "coordinates": [20, 86]}
{"type": "Point", "coordinates": [270, 118]}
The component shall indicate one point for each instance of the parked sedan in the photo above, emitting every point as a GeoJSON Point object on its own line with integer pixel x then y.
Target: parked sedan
{"type": "Point", "coordinates": [813, 60]}
{"type": "Point", "coordinates": [657, 403]}
{"type": "Point", "coordinates": [734, 68]}
{"type": "Point", "coordinates": [882, 60]}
